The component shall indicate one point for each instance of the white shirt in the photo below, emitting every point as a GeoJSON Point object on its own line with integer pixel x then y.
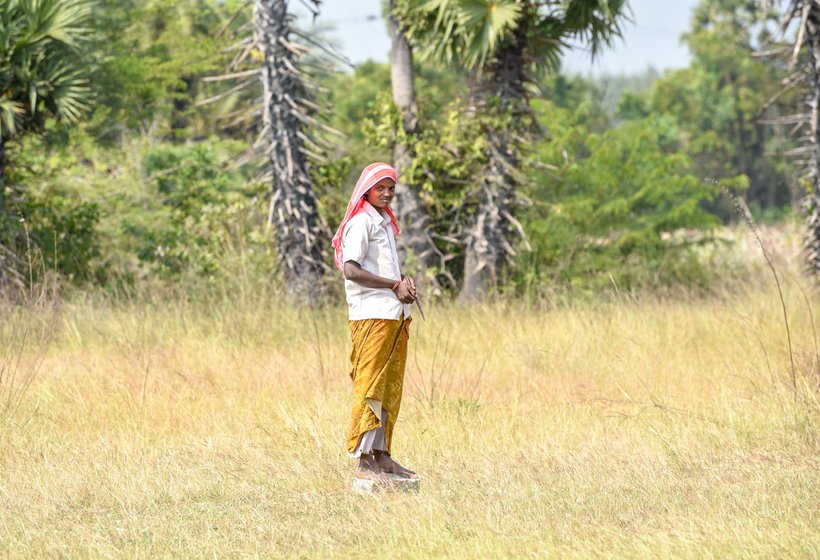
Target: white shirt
{"type": "Point", "coordinates": [369, 240]}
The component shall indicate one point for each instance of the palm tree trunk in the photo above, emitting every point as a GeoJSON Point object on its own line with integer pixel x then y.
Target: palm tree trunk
{"type": "Point", "coordinates": [300, 234]}
{"type": "Point", "coordinates": [488, 243]}
{"type": "Point", "coordinates": [812, 201]}
{"type": "Point", "coordinates": [415, 245]}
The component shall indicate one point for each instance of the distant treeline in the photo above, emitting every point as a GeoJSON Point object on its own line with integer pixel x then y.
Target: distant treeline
{"type": "Point", "coordinates": [135, 149]}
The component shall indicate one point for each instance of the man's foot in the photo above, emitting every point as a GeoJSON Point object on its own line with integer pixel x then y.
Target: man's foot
{"type": "Point", "coordinates": [369, 469]}
{"type": "Point", "coordinates": [387, 465]}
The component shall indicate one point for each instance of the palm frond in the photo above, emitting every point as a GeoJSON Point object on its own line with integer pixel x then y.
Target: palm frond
{"type": "Point", "coordinates": [437, 23]}
{"type": "Point", "coordinates": [69, 21]}
{"type": "Point", "coordinates": [472, 32]}
{"type": "Point", "coordinates": [487, 22]}
{"type": "Point", "coordinates": [596, 22]}
{"type": "Point", "coordinates": [9, 113]}
{"type": "Point", "coordinates": [465, 30]}
{"type": "Point", "coordinates": [69, 92]}
{"type": "Point", "coordinates": [41, 66]}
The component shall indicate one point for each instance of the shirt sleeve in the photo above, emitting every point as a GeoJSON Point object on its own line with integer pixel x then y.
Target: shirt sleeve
{"type": "Point", "coordinates": [355, 242]}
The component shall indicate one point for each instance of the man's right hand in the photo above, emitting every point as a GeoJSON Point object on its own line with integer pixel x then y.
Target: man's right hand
{"type": "Point", "coordinates": [404, 293]}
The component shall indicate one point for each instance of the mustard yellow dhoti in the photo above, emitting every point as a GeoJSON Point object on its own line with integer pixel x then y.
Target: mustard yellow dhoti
{"type": "Point", "coordinates": [377, 370]}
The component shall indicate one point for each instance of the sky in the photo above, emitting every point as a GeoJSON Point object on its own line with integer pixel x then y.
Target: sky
{"type": "Point", "coordinates": [652, 40]}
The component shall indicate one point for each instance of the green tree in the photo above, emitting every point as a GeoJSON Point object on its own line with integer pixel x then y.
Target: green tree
{"type": "Point", "coordinates": [576, 92]}
{"type": "Point", "coordinates": [151, 59]}
{"type": "Point", "coordinates": [719, 100]}
{"type": "Point", "coordinates": [617, 205]}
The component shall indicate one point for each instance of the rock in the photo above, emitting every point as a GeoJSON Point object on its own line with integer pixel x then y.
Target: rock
{"type": "Point", "coordinates": [396, 484]}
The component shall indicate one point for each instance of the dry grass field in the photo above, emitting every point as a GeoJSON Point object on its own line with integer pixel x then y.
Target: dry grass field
{"type": "Point", "coordinates": [621, 428]}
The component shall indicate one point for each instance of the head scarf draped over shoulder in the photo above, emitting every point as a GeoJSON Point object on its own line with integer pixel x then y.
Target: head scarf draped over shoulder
{"type": "Point", "coordinates": [371, 175]}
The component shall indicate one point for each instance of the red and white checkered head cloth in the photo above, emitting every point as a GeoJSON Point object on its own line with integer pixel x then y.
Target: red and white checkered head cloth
{"type": "Point", "coordinates": [371, 175]}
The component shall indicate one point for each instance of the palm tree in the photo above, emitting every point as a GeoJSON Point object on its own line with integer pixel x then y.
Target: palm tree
{"type": "Point", "coordinates": [42, 73]}
{"type": "Point", "coordinates": [287, 109]}
{"type": "Point", "coordinates": [503, 42]}
{"type": "Point", "coordinates": [41, 69]}
{"type": "Point", "coordinates": [807, 15]}
{"type": "Point", "coordinates": [415, 244]}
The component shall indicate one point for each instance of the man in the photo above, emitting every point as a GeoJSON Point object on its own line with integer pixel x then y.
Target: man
{"type": "Point", "coordinates": [378, 298]}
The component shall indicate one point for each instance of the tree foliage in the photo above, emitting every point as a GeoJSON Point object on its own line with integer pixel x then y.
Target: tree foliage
{"type": "Point", "coordinates": [151, 58]}
{"type": "Point", "coordinates": [621, 204]}
{"type": "Point", "coordinates": [721, 98]}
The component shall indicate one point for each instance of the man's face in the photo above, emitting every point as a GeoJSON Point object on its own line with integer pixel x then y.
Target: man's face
{"type": "Point", "coordinates": [382, 193]}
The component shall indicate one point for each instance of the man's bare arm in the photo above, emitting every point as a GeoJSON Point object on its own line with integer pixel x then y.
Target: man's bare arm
{"type": "Point", "coordinates": [355, 273]}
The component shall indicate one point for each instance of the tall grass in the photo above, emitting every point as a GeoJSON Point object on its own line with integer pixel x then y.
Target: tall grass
{"type": "Point", "coordinates": [629, 426]}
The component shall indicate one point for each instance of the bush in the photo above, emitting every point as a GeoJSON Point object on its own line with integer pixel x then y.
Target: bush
{"type": "Point", "coordinates": [200, 211]}
{"type": "Point", "coordinates": [44, 224]}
